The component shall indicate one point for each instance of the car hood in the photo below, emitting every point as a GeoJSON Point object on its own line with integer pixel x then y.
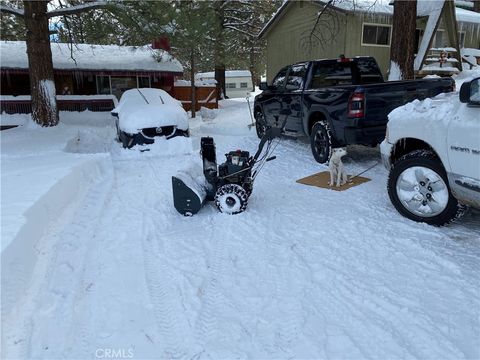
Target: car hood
{"type": "Point", "coordinates": [148, 116]}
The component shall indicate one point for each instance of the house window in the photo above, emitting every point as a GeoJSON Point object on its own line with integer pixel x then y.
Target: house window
{"type": "Point", "coordinates": [120, 84]}
{"type": "Point", "coordinates": [231, 85]}
{"type": "Point", "coordinates": [103, 85]}
{"type": "Point", "coordinates": [376, 35]}
{"type": "Point", "coordinates": [243, 85]}
{"type": "Point", "coordinates": [117, 85]}
{"type": "Point", "coordinates": [143, 81]}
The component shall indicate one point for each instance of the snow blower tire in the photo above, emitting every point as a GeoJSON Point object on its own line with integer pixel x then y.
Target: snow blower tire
{"type": "Point", "coordinates": [231, 199]}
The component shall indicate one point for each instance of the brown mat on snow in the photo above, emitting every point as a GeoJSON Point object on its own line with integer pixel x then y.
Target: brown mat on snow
{"type": "Point", "coordinates": [321, 180]}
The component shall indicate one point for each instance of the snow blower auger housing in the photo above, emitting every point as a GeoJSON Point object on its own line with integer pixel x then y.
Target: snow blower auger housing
{"type": "Point", "coordinates": [229, 184]}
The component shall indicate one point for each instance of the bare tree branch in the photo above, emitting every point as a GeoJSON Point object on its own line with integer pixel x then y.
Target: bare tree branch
{"type": "Point", "coordinates": [9, 10]}
{"type": "Point", "coordinates": [78, 8]}
{"type": "Point", "coordinates": [319, 16]}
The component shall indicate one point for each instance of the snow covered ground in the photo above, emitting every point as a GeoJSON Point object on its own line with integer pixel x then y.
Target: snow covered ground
{"type": "Point", "coordinates": [96, 262]}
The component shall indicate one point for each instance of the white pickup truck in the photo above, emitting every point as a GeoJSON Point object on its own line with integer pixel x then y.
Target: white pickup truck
{"type": "Point", "coordinates": [432, 150]}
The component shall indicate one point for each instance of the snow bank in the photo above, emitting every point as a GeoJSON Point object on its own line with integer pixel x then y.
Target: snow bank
{"type": "Point", "coordinates": [466, 75]}
{"type": "Point", "coordinates": [88, 141]}
{"type": "Point", "coordinates": [207, 113]}
{"type": "Point", "coordinates": [58, 187]}
{"type": "Point", "coordinates": [162, 147]}
{"type": "Point", "coordinates": [44, 179]}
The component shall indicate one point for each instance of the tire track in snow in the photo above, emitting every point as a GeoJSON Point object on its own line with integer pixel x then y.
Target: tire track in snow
{"type": "Point", "coordinates": [162, 290]}
{"type": "Point", "coordinates": [212, 300]}
{"type": "Point", "coordinates": [287, 296]}
{"type": "Point", "coordinates": [160, 279]}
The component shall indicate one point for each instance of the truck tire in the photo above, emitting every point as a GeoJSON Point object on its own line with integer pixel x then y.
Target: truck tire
{"type": "Point", "coordinates": [260, 123]}
{"type": "Point", "coordinates": [418, 188]}
{"type": "Point", "coordinates": [321, 141]}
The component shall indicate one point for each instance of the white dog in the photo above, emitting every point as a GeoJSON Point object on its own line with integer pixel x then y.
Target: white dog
{"type": "Point", "coordinates": [338, 176]}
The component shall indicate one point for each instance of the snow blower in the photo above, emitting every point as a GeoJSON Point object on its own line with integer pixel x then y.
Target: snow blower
{"type": "Point", "coordinates": [230, 184]}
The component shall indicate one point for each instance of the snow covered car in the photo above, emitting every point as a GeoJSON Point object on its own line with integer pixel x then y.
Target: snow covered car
{"type": "Point", "coordinates": [432, 149]}
{"type": "Point", "coordinates": [143, 114]}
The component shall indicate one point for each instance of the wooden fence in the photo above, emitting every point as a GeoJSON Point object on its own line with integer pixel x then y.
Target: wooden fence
{"type": "Point", "coordinates": [205, 96]}
{"type": "Point", "coordinates": [12, 106]}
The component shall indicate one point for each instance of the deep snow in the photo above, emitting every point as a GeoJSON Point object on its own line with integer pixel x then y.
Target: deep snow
{"type": "Point", "coordinates": [303, 273]}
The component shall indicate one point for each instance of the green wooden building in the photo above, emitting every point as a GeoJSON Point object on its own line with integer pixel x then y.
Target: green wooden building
{"type": "Point", "coordinates": [348, 27]}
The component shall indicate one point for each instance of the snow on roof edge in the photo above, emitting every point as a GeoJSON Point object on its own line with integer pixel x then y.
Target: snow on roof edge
{"type": "Point", "coordinates": [228, 73]}
{"type": "Point", "coordinates": [94, 57]}
{"type": "Point", "coordinates": [375, 7]}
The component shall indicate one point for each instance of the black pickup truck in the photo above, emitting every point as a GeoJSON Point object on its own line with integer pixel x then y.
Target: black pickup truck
{"type": "Point", "coordinates": [337, 102]}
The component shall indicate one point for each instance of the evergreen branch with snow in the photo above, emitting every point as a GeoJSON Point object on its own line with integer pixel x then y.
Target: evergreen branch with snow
{"type": "Point", "coordinates": [77, 9]}
{"type": "Point", "coordinates": [10, 10]}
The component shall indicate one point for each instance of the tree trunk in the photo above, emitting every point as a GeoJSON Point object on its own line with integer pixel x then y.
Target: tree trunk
{"type": "Point", "coordinates": [252, 66]}
{"type": "Point", "coordinates": [402, 50]}
{"type": "Point", "coordinates": [40, 67]}
{"type": "Point", "coordinates": [192, 83]}
{"type": "Point", "coordinates": [219, 55]}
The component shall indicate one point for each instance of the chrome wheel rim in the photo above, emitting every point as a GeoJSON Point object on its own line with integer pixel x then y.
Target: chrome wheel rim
{"type": "Point", "coordinates": [422, 191]}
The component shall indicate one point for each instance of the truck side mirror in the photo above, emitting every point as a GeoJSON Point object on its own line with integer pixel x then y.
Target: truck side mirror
{"type": "Point", "coordinates": [470, 92]}
{"type": "Point", "coordinates": [264, 85]}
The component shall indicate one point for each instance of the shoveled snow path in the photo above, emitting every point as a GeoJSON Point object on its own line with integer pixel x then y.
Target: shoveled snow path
{"type": "Point", "coordinates": [303, 273]}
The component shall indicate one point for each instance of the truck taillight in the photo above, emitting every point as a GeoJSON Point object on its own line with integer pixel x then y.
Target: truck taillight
{"type": "Point", "coordinates": [356, 105]}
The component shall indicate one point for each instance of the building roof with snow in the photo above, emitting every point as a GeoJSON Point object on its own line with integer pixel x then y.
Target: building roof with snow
{"type": "Point", "coordinates": [86, 57]}
{"type": "Point", "coordinates": [380, 7]}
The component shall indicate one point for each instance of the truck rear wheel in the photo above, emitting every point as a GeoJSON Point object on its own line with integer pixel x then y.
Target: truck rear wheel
{"type": "Point", "coordinates": [418, 188]}
{"type": "Point", "coordinates": [321, 141]}
{"type": "Point", "coordinates": [260, 124]}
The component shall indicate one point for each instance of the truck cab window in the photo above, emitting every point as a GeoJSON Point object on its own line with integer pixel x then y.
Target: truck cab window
{"type": "Point", "coordinates": [331, 74]}
{"type": "Point", "coordinates": [368, 71]}
{"type": "Point", "coordinates": [296, 76]}
{"type": "Point", "coordinates": [279, 80]}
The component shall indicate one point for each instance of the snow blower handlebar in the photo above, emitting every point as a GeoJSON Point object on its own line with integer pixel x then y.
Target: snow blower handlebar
{"type": "Point", "coordinates": [270, 134]}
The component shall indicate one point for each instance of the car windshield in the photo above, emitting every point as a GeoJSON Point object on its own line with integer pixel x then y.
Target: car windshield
{"type": "Point", "coordinates": [145, 96]}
